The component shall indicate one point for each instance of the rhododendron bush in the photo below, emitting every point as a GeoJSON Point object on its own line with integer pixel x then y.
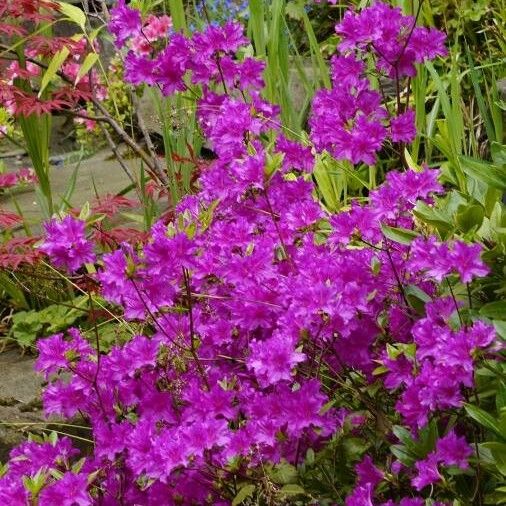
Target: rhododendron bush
{"type": "Point", "coordinates": [279, 352]}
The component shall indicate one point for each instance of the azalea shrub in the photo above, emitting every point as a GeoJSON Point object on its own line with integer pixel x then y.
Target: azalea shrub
{"type": "Point", "coordinates": [276, 350]}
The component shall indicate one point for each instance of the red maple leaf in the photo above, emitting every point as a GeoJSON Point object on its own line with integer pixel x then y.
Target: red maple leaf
{"type": "Point", "coordinates": [9, 219]}
{"type": "Point", "coordinates": [110, 204]}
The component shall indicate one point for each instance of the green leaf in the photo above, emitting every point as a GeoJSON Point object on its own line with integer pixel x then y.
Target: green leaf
{"type": "Point", "coordinates": [73, 13]}
{"type": "Point", "coordinates": [483, 418]}
{"type": "Point", "coordinates": [292, 489]}
{"type": "Point", "coordinates": [53, 67]}
{"type": "Point", "coordinates": [500, 328]}
{"type": "Point", "coordinates": [324, 181]}
{"type": "Point", "coordinates": [494, 310]}
{"type": "Point", "coordinates": [10, 288]}
{"type": "Point", "coordinates": [400, 235]}
{"type": "Point", "coordinates": [416, 297]}
{"type": "Point", "coordinates": [411, 163]}
{"type": "Point", "coordinates": [500, 397]}
{"type": "Point", "coordinates": [293, 10]}
{"type": "Point", "coordinates": [434, 216]}
{"type": "Point", "coordinates": [498, 152]}
{"type": "Point", "coordinates": [85, 211]}
{"type": "Point", "coordinates": [402, 453]}
{"type": "Point", "coordinates": [273, 163]}
{"type": "Point", "coordinates": [403, 435]}
{"type": "Point", "coordinates": [470, 217]}
{"type": "Point", "coordinates": [355, 447]}
{"type": "Point", "coordinates": [284, 473]}
{"type": "Point", "coordinates": [88, 63]}
{"type": "Point", "coordinates": [486, 172]}
{"type": "Point", "coordinates": [244, 493]}
{"type": "Point", "coordinates": [498, 451]}
{"type": "Point", "coordinates": [415, 291]}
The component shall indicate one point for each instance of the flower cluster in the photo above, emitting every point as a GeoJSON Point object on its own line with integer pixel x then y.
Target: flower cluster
{"type": "Point", "coordinates": [22, 176]}
{"type": "Point", "coordinates": [396, 41]}
{"type": "Point", "coordinates": [451, 450]}
{"type": "Point", "coordinates": [255, 305]}
{"type": "Point", "coordinates": [66, 243]}
{"type": "Point", "coordinates": [349, 120]}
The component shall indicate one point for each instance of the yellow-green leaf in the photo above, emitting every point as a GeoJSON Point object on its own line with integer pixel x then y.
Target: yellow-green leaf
{"type": "Point", "coordinates": [53, 67]}
{"type": "Point", "coordinates": [73, 13]}
{"type": "Point", "coordinates": [88, 63]}
{"type": "Point", "coordinates": [244, 493]}
{"type": "Point", "coordinates": [292, 489]}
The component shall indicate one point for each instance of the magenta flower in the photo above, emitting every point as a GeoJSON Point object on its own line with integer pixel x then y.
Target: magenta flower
{"type": "Point", "coordinates": [272, 360]}
{"type": "Point", "coordinates": [403, 127]}
{"type": "Point", "coordinates": [56, 353]}
{"type": "Point", "coordinates": [124, 23]}
{"type": "Point", "coordinates": [427, 472]}
{"type": "Point", "coordinates": [66, 244]}
{"type": "Point", "coordinates": [452, 450]}
{"type": "Point", "coordinates": [70, 490]}
{"type": "Point", "coordinates": [367, 472]}
{"type": "Point", "coordinates": [467, 262]}
{"type": "Point", "coordinates": [361, 496]}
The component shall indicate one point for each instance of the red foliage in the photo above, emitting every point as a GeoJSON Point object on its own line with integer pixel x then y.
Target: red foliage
{"type": "Point", "coordinates": [111, 204]}
{"type": "Point", "coordinates": [45, 46]}
{"type": "Point", "coordinates": [29, 10]}
{"type": "Point", "coordinates": [115, 236]}
{"type": "Point", "coordinates": [9, 219]}
{"type": "Point", "coordinates": [17, 251]}
{"type": "Point", "coordinates": [26, 104]}
{"type": "Point", "coordinates": [19, 79]}
{"type": "Point", "coordinates": [12, 30]}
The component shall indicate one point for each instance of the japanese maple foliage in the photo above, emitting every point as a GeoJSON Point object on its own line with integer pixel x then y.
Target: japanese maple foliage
{"type": "Point", "coordinates": [24, 62]}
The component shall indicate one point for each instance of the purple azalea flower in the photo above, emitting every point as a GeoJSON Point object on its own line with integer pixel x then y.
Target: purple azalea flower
{"type": "Point", "coordinates": [403, 127]}
{"type": "Point", "coordinates": [70, 490]}
{"type": "Point", "coordinates": [452, 450]}
{"type": "Point", "coordinates": [66, 244]}
{"type": "Point", "coordinates": [124, 23]}
{"type": "Point", "coordinates": [427, 472]}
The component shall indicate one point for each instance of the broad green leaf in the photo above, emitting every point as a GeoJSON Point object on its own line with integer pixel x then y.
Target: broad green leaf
{"type": "Point", "coordinates": [494, 310]}
{"type": "Point", "coordinates": [470, 217]}
{"type": "Point", "coordinates": [134, 217]}
{"type": "Point", "coordinates": [498, 152]}
{"type": "Point", "coordinates": [291, 489]}
{"type": "Point", "coordinates": [402, 453]}
{"type": "Point", "coordinates": [415, 291]}
{"type": "Point", "coordinates": [499, 453]}
{"type": "Point", "coordinates": [400, 235]}
{"type": "Point", "coordinates": [244, 493]}
{"type": "Point", "coordinates": [483, 418]}
{"type": "Point", "coordinates": [489, 173]}
{"type": "Point", "coordinates": [403, 435]}
{"type": "Point", "coordinates": [500, 328]}
{"type": "Point", "coordinates": [73, 13]}
{"type": "Point", "coordinates": [293, 10]}
{"type": "Point", "coordinates": [500, 397]}
{"type": "Point", "coordinates": [88, 63]}
{"type": "Point", "coordinates": [85, 211]}
{"type": "Point", "coordinates": [284, 473]}
{"type": "Point", "coordinates": [53, 67]}
{"type": "Point", "coordinates": [95, 33]}
{"type": "Point", "coordinates": [325, 184]}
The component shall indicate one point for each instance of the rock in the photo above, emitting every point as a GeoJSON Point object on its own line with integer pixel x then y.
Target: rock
{"type": "Point", "coordinates": [19, 379]}
{"type": "Point", "coordinates": [20, 407]}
